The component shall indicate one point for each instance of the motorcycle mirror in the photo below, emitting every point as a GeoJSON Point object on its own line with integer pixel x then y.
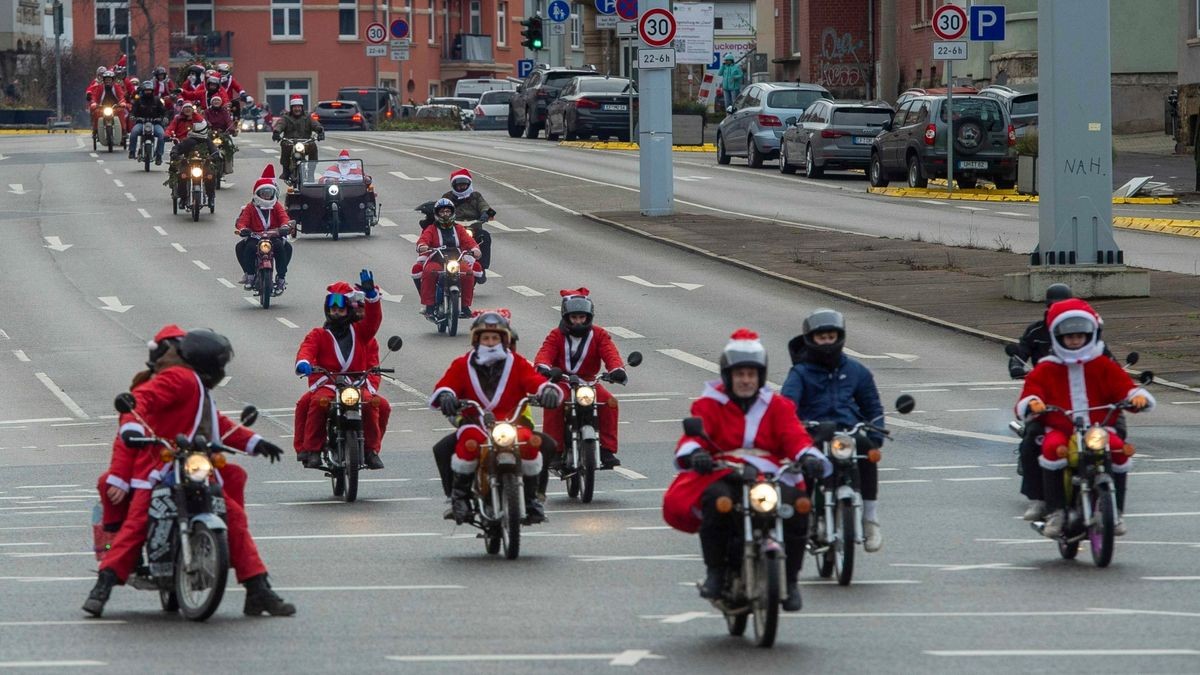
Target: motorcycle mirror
{"type": "Point", "coordinates": [182, 442]}
{"type": "Point", "coordinates": [1146, 377]}
{"type": "Point", "coordinates": [693, 426]}
{"type": "Point", "coordinates": [125, 403]}
{"type": "Point", "coordinates": [249, 415]}
{"type": "Point", "coordinates": [905, 404]}
{"type": "Point", "coordinates": [634, 360]}
{"type": "Point", "coordinates": [1132, 358]}
{"type": "Point", "coordinates": [1011, 350]}
{"type": "Point", "coordinates": [394, 343]}
{"type": "Point", "coordinates": [199, 442]}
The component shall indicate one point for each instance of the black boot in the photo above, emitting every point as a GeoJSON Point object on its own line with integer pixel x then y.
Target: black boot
{"type": "Point", "coordinates": [460, 498]}
{"type": "Point", "coordinates": [1052, 488]}
{"type": "Point", "coordinates": [100, 592]}
{"type": "Point", "coordinates": [534, 513]}
{"type": "Point", "coordinates": [1119, 482]}
{"type": "Point", "coordinates": [260, 598]}
{"type": "Point", "coordinates": [794, 548]}
{"type": "Point", "coordinates": [372, 460]}
{"type": "Point", "coordinates": [311, 460]}
{"type": "Point", "coordinates": [714, 582]}
{"type": "Point", "coordinates": [608, 459]}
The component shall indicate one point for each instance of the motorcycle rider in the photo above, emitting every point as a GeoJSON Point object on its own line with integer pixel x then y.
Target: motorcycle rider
{"type": "Point", "coordinates": [162, 86]}
{"type": "Point", "coordinates": [106, 92]}
{"type": "Point", "coordinates": [1075, 376]}
{"type": "Point", "coordinates": [499, 379]}
{"type": "Point", "coordinates": [296, 124]}
{"type": "Point", "coordinates": [344, 170]}
{"type": "Point", "coordinates": [178, 400]}
{"type": "Point", "coordinates": [262, 213]}
{"type": "Point", "coordinates": [470, 206]}
{"type": "Point", "coordinates": [230, 89]}
{"type": "Point", "coordinates": [193, 82]}
{"type": "Point", "coordinates": [181, 124]}
{"type": "Point", "coordinates": [147, 106]}
{"type": "Point", "coordinates": [826, 385]}
{"type": "Point", "coordinates": [739, 411]}
{"type": "Point", "coordinates": [222, 122]}
{"type": "Point", "coordinates": [578, 346]}
{"type": "Point", "coordinates": [448, 233]}
{"type": "Point", "coordinates": [338, 346]}
{"type": "Point", "coordinates": [198, 136]}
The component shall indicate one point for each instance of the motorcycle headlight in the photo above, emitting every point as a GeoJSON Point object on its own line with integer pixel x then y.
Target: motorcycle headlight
{"type": "Point", "coordinates": [197, 468]}
{"type": "Point", "coordinates": [504, 435]}
{"type": "Point", "coordinates": [452, 267]}
{"type": "Point", "coordinates": [107, 111]}
{"type": "Point", "coordinates": [1096, 438]}
{"type": "Point", "coordinates": [299, 147]}
{"type": "Point", "coordinates": [764, 498]}
{"type": "Point", "coordinates": [334, 190]}
{"type": "Point", "coordinates": [197, 172]}
{"type": "Point", "coordinates": [264, 246]}
{"type": "Point", "coordinates": [350, 397]}
{"type": "Point", "coordinates": [842, 446]}
{"type": "Point", "coordinates": [585, 395]}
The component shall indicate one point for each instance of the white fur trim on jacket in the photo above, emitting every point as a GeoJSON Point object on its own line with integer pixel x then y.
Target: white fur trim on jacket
{"type": "Point", "coordinates": [117, 483]}
{"type": "Point", "coordinates": [1053, 465]}
{"type": "Point", "coordinates": [436, 393]}
{"type": "Point", "coordinates": [1141, 391]}
{"type": "Point", "coordinates": [461, 465]}
{"type": "Point", "coordinates": [1123, 468]}
{"type": "Point", "coordinates": [531, 467]}
{"type": "Point", "coordinates": [1022, 408]}
{"type": "Point", "coordinates": [139, 484]}
{"type": "Point", "coordinates": [252, 444]}
{"type": "Point", "coordinates": [131, 426]}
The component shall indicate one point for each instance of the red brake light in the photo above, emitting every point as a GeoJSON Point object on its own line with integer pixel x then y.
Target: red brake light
{"type": "Point", "coordinates": [356, 118]}
{"type": "Point", "coordinates": [479, 111]}
{"type": "Point", "coordinates": [1012, 135]}
{"type": "Point", "coordinates": [586, 103]}
{"type": "Point", "coordinates": [335, 104]}
{"type": "Point", "coordinates": [769, 121]}
{"type": "Point", "coordinates": [314, 117]}
{"type": "Point", "coordinates": [830, 133]}
{"type": "Point", "coordinates": [362, 91]}
{"type": "Point", "coordinates": [930, 133]}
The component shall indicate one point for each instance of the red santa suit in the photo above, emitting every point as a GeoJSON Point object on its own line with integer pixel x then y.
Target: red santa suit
{"type": "Point", "coordinates": [179, 126]}
{"type": "Point", "coordinates": [583, 357]}
{"type": "Point", "coordinates": [251, 218]}
{"type": "Point", "coordinates": [343, 170]}
{"type": "Point", "coordinates": [320, 349]}
{"type": "Point", "coordinates": [518, 379]}
{"type": "Point", "coordinates": [427, 266]}
{"type": "Point", "coordinates": [1074, 380]}
{"type": "Point", "coordinates": [102, 95]}
{"type": "Point", "coordinates": [770, 425]}
{"type": "Point", "coordinates": [219, 119]}
{"type": "Point", "coordinates": [173, 402]}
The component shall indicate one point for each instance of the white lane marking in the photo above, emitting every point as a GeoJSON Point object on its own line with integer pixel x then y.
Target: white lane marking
{"type": "Point", "coordinates": [144, 212]}
{"type": "Point", "coordinates": [1061, 652]}
{"type": "Point", "coordinates": [309, 589]}
{"type": "Point", "coordinates": [628, 508]}
{"type": "Point", "coordinates": [629, 657]}
{"type": "Point", "coordinates": [61, 396]}
{"type": "Point", "coordinates": [934, 202]}
{"type": "Point", "coordinates": [160, 230]}
{"type": "Point", "coordinates": [387, 222]}
{"type": "Point", "coordinates": [178, 247]}
{"type": "Point", "coordinates": [29, 543]}
{"type": "Point", "coordinates": [946, 467]}
{"type": "Point", "coordinates": [410, 389]}
{"type": "Point", "coordinates": [962, 410]}
{"type": "Point", "coordinates": [860, 355]}
{"type": "Point", "coordinates": [113, 304]}
{"type": "Point", "coordinates": [372, 535]}
{"type": "Point", "coordinates": [1162, 515]}
{"type": "Point", "coordinates": [108, 172]}
{"type": "Point", "coordinates": [1174, 459]}
{"type": "Point", "coordinates": [63, 554]}
{"type": "Point", "coordinates": [928, 615]}
{"type": "Point", "coordinates": [624, 333]}
{"type": "Point", "coordinates": [921, 391]}
{"type": "Point", "coordinates": [269, 151]}
{"type": "Point", "coordinates": [130, 197]}
{"type": "Point", "coordinates": [43, 487]}
{"type": "Point", "coordinates": [82, 445]}
{"type": "Point", "coordinates": [526, 291]}
{"type": "Point", "coordinates": [1012, 213]}
{"type": "Point", "coordinates": [201, 265]}
{"type": "Point", "coordinates": [409, 237]}
{"type": "Point", "coordinates": [691, 359]}
{"type": "Point", "coordinates": [226, 283]}
{"type": "Point", "coordinates": [951, 567]}
{"type": "Point", "coordinates": [978, 478]}
{"type": "Point", "coordinates": [1185, 402]}
{"type": "Point", "coordinates": [118, 183]}
{"type": "Point", "coordinates": [46, 527]}
{"type": "Point", "coordinates": [44, 513]}
{"type": "Point", "coordinates": [55, 244]}
{"type": "Point", "coordinates": [628, 473]}
{"type": "Point", "coordinates": [911, 480]}
{"type": "Point", "coordinates": [403, 176]}
{"type": "Point", "coordinates": [663, 527]}
{"type": "Point", "coordinates": [992, 388]}
{"type": "Point", "coordinates": [20, 354]}
{"type": "Point", "coordinates": [929, 428]}
{"type": "Point", "coordinates": [17, 189]}
{"type": "Point", "coordinates": [93, 155]}
{"type": "Point", "coordinates": [970, 208]}
{"type": "Point", "coordinates": [649, 284]}
{"type": "Point", "coordinates": [53, 664]}
{"type": "Point", "coordinates": [285, 322]}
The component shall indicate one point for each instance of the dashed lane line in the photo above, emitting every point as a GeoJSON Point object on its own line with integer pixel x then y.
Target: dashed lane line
{"type": "Point", "coordinates": [130, 197]}
{"type": "Point", "coordinates": [178, 247]}
{"type": "Point", "coordinates": [285, 322]}
{"type": "Point", "coordinates": [145, 214]}
{"type": "Point", "coordinates": [201, 265]}
{"type": "Point", "coordinates": [226, 283]}
{"type": "Point", "coordinates": [61, 396]}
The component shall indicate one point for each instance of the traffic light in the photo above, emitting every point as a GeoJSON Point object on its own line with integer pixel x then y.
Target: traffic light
{"type": "Point", "coordinates": [532, 33]}
{"type": "Point", "coordinates": [58, 18]}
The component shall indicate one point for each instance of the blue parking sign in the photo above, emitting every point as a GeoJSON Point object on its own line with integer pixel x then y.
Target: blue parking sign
{"type": "Point", "coordinates": [558, 11]}
{"type": "Point", "coordinates": [716, 62]}
{"type": "Point", "coordinates": [986, 23]}
{"type": "Point", "coordinates": [606, 6]}
{"type": "Point", "coordinates": [524, 67]}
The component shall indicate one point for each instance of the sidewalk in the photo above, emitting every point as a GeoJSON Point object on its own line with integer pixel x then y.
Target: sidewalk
{"type": "Point", "coordinates": [958, 288]}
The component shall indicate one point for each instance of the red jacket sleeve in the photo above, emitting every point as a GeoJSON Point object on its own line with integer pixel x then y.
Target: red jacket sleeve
{"type": "Point", "coordinates": [1034, 387]}
{"type": "Point", "coordinates": [120, 466]}
{"type": "Point", "coordinates": [428, 237]}
{"type": "Point", "coordinates": [608, 351]}
{"type": "Point", "coordinates": [246, 220]}
{"type": "Point", "coordinates": [372, 319]}
{"type": "Point", "coordinates": [551, 352]}
{"type": "Point", "coordinates": [530, 379]}
{"type": "Point", "coordinates": [788, 436]}
{"type": "Point", "coordinates": [452, 382]}
{"type": "Point", "coordinates": [239, 437]}
{"type": "Point", "coordinates": [279, 214]}
{"type": "Point", "coordinates": [308, 347]}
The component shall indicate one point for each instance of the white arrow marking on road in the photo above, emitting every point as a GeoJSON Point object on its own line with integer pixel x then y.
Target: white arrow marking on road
{"type": "Point", "coordinates": [526, 291]}
{"type": "Point", "coordinates": [860, 355]}
{"type": "Point", "coordinates": [628, 473]}
{"type": "Point", "coordinates": [903, 357]}
{"type": "Point", "coordinates": [629, 657]}
{"type": "Point", "coordinates": [686, 287]}
{"type": "Point", "coordinates": [623, 332]}
{"type": "Point", "coordinates": [387, 222]}
{"type": "Point", "coordinates": [495, 224]}
{"type": "Point", "coordinates": [55, 244]}
{"type": "Point", "coordinates": [674, 284]}
{"type": "Point", "coordinates": [538, 230]}
{"type": "Point", "coordinates": [17, 189]}
{"type": "Point", "coordinates": [389, 296]}
{"type": "Point", "coordinates": [403, 176]}
{"type": "Point", "coordinates": [113, 304]}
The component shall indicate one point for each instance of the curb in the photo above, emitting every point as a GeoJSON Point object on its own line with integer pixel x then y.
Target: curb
{"type": "Point", "coordinates": [859, 300]}
{"type": "Point", "coordinates": [41, 131]}
{"type": "Point", "coordinates": [618, 145]}
{"type": "Point", "coordinates": [984, 195]}
{"type": "Point", "coordinates": [1177, 227]}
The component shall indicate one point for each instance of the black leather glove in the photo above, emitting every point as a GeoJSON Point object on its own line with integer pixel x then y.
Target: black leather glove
{"type": "Point", "coordinates": [448, 404]}
{"type": "Point", "coordinates": [1016, 367]}
{"type": "Point", "coordinates": [269, 450]}
{"type": "Point", "coordinates": [550, 397]}
{"type": "Point", "coordinates": [701, 462]}
{"type": "Point", "coordinates": [320, 135]}
{"type": "Point", "coordinates": [275, 136]}
{"type": "Point", "coordinates": [618, 376]}
{"type": "Point", "coordinates": [135, 440]}
{"type": "Point", "coordinates": [543, 370]}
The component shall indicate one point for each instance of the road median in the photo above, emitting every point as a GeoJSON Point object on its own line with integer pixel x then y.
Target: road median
{"type": "Point", "coordinates": [996, 195]}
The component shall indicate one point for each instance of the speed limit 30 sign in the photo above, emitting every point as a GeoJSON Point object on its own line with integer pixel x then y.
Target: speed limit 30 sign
{"type": "Point", "coordinates": [657, 27]}
{"type": "Point", "coordinates": [949, 22]}
{"type": "Point", "coordinates": [376, 33]}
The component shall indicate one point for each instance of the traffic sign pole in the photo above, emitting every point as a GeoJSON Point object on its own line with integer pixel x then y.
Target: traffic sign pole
{"type": "Point", "coordinates": [656, 174]}
{"type": "Point", "coordinates": [949, 23]}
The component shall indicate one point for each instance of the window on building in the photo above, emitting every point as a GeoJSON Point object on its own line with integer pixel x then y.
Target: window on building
{"type": "Point", "coordinates": [794, 7]}
{"type": "Point", "coordinates": [476, 17]}
{"type": "Point", "coordinates": [502, 23]}
{"type": "Point", "coordinates": [925, 10]}
{"type": "Point", "coordinates": [199, 17]}
{"type": "Point", "coordinates": [112, 19]}
{"type": "Point", "coordinates": [348, 19]}
{"type": "Point", "coordinates": [432, 20]}
{"type": "Point", "coordinates": [285, 19]}
{"type": "Point", "coordinates": [1196, 12]}
{"type": "Point", "coordinates": [933, 81]}
{"type": "Point", "coordinates": [433, 89]}
{"type": "Point", "coordinates": [576, 26]}
{"type": "Point", "coordinates": [733, 18]}
{"type": "Point", "coordinates": [279, 91]}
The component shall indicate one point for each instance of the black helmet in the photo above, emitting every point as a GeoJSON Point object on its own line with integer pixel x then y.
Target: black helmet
{"type": "Point", "coordinates": [821, 321]}
{"type": "Point", "coordinates": [1057, 293]}
{"type": "Point", "coordinates": [743, 349]}
{"type": "Point", "coordinates": [160, 72]}
{"type": "Point", "coordinates": [577, 302]}
{"type": "Point", "coordinates": [207, 352]}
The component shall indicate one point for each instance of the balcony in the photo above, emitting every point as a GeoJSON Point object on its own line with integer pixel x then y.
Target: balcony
{"type": "Point", "coordinates": [471, 55]}
{"type": "Point", "coordinates": [212, 45]}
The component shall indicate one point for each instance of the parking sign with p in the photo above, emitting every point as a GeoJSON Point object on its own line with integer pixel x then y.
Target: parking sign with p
{"type": "Point", "coordinates": [987, 23]}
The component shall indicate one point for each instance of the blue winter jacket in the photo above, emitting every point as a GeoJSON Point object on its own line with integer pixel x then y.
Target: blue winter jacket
{"type": "Point", "coordinates": [846, 395]}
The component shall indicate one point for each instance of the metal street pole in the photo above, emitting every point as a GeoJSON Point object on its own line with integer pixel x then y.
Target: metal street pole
{"type": "Point", "coordinates": [950, 126]}
{"type": "Point", "coordinates": [656, 179]}
{"type": "Point", "coordinates": [57, 61]}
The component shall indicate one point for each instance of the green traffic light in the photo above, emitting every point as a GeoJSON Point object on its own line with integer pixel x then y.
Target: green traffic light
{"type": "Point", "coordinates": [537, 43]}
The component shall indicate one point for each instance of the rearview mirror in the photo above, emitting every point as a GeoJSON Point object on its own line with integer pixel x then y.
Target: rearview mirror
{"type": "Point", "coordinates": [905, 404]}
{"type": "Point", "coordinates": [1146, 377]}
{"type": "Point", "coordinates": [730, 110]}
{"type": "Point", "coordinates": [1012, 350]}
{"type": "Point", "coordinates": [182, 442]}
{"type": "Point", "coordinates": [634, 360]}
{"type": "Point", "coordinates": [887, 126]}
{"type": "Point", "coordinates": [693, 426]}
{"type": "Point", "coordinates": [1132, 358]}
{"type": "Point", "coordinates": [125, 403]}
{"type": "Point", "coordinates": [789, 121]}
{"type": "Point", "coordinates": [394, 343]}
{"type": "Point", "coordinates": [249, 415]}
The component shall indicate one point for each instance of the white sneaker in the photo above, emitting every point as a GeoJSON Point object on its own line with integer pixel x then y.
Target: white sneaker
{"type": "Point", "coordinates": [1119, 529]}
{"type": "Point", "coordinates": [1054, 524]}
{"type": "Point", "coordinates": [1036, 510]}
{"type": "Point", "coordinates": [874, 537]}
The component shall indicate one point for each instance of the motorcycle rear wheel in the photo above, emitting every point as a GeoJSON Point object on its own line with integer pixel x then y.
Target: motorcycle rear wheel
{"type": "Point", "coordinates": [766, 601]}
{"type": "Point", "coordinates": [265, 288]}
{"type": "Point", "coordinates": [1101, 533]}
{"type": "Point", "coordinates": [200, 589]}
{"type": "Point", "coordinates": [352, 451]}
{"type": "Point", "coordinates": [843, 559]}
{"type": "Point", "coordinates": [510, 519]}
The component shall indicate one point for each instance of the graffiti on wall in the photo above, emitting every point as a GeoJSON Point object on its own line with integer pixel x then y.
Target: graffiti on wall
{"type": "Point", "coordinates": [839, 64]}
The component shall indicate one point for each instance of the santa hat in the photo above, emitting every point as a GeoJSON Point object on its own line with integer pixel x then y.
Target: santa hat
{"type": "Point", "coordinates": [268, 178]}
{"type": "Point", "coordinates": [168, 332]}
{"type": "Point", "coordinates": [502, 311]}
{"type": "Point", "coordinates": [568, 293]}
{"type": "Point", "coordinates": [1085, 317]}
{"type": "Point", "coordinates": [344, 154]}
{"type": "Point", "coordinates": [461, 173]}
{"type": "Point", "coordinates": [122, 62]}
{"type": "Point", "coordinates": [342, 287]}
{"type": "Point", "coordinates": [743, 349]}
{"type": "Point", "coordinates": [295, 100]}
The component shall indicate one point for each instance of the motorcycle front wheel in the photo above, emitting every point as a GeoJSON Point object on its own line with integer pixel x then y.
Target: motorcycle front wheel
{"type": "Point", "coordinates": [353, 452]}
{"type": "Point", "coordinates": [108, 139]}
{"type": "Point", "coordinates": [510, 519]}
{"type": "Point", "coordinates": [452, 301]}
{"type": "Point", "coordinates": [265, 288]}
{"type": "Point", "coordinates": [1101, 531]}
{"type": "Point", "coordinates": [195, 206]}
{"type": "Point", "coordinates": [766, 601]}
{"type": "Point", "coordinates": [587, 472]}
{"type": "Point", "coordinates": [843, 555]}
{"type": "Point", "coordinates": [146, 158]}
{"type": "Point", "coordinates": [200, 587]}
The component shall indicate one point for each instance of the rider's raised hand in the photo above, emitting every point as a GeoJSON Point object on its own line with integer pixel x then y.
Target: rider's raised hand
{"type": "Point", "coordinates": [366, 280]}
{"type": "Point", "coordinates": [618, 376]}
{"type": "Point", "coordinates": [269, 450]}
{"type": "Point", "coordinates": [304, 368]}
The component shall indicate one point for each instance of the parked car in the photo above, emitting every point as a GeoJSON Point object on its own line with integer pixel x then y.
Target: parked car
{"type": "Point", "coordinates": [491, 110]}
{"type": "Point", "coordinates": [466, 105]}
{"type": "Point", "coordinates": [592, 106]}
{"type": "Point", "coordinates": [371, 99]}
{"type": "Point", "coordinates": [527, 110]}
{"type": "Point", "coordinates": [1022, 106]}
{"type": "Point", "coordinates": [910, 94]}
{"type": "Point", "coordinates": [450, 113]}
{"type": "Point", "coordinates": [832, 135]}
{"type": "Point", "coordinates": [753, 125]}
{"type": "Point", "coordinates": [475, 87]}
{"type": "Point", "coordinates": [914, 144]}
{"type": "Point", "coordinates": [340, 115]}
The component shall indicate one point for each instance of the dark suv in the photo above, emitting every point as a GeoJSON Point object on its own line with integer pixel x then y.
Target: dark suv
{"type": "Point", "coordinates": [372, 99]}
{"type": "Point", "coordinates": [527, 109]}
{"type": "Point", "coordinates": [914, 144]}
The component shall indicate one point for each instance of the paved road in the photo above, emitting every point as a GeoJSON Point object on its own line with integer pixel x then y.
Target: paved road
{"type": "Point", "coordinates": [959, 585]}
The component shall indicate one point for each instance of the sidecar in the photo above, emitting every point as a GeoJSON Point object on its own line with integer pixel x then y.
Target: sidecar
{"type": "Point", "coordinates": [332, 202]}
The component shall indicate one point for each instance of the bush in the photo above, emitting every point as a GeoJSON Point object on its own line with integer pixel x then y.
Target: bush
{"type": "Point", "coordinates": [1028, 144]}
{"type": "Point", "coordinates": [428, 124]}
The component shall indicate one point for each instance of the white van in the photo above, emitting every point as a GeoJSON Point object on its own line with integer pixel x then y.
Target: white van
{"type": "Point", "coordinates": [473, 88]}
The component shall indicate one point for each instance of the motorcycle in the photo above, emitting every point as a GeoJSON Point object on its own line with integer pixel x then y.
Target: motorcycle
{"type": "Point", "coordinates": [448, 299]}
{"type": "Point", "coordinates": [109, 130]}
{"type": "Point", "coordinates": [838, 501]}
{"type": "Point", "coordinates": [581, 451]}
{"type": "Point", "coordinates": [1090, 490]}
{"type": "Point", "coordinates": [224, 164]}
{"type": "Point", "coordinates": [264, 255]}
{"type": "Point", "coordinates": [302, 149]}
{"type": "Point", "coordinates": [755, 588]}
{"type": "Point", "coordinates": [146, 147]}
{"type": "Point", "coordinates": [196, 188]}
{"type": "Point", "coordinates": [343, 455]}
{"type": "Point", "coordinates": [475, 227]}
{"type": "Point", "coordinates": [497, 493]}
{"type": "Point", "coordinates": [186, 555]}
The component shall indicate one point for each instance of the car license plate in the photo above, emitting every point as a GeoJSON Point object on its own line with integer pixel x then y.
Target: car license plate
{"type": "Point", "coordinates": [973, 165]}
{"type": "Point", "coordinates": [863, 140]}
{"type": "Point", "coordinates": [616, 106]}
